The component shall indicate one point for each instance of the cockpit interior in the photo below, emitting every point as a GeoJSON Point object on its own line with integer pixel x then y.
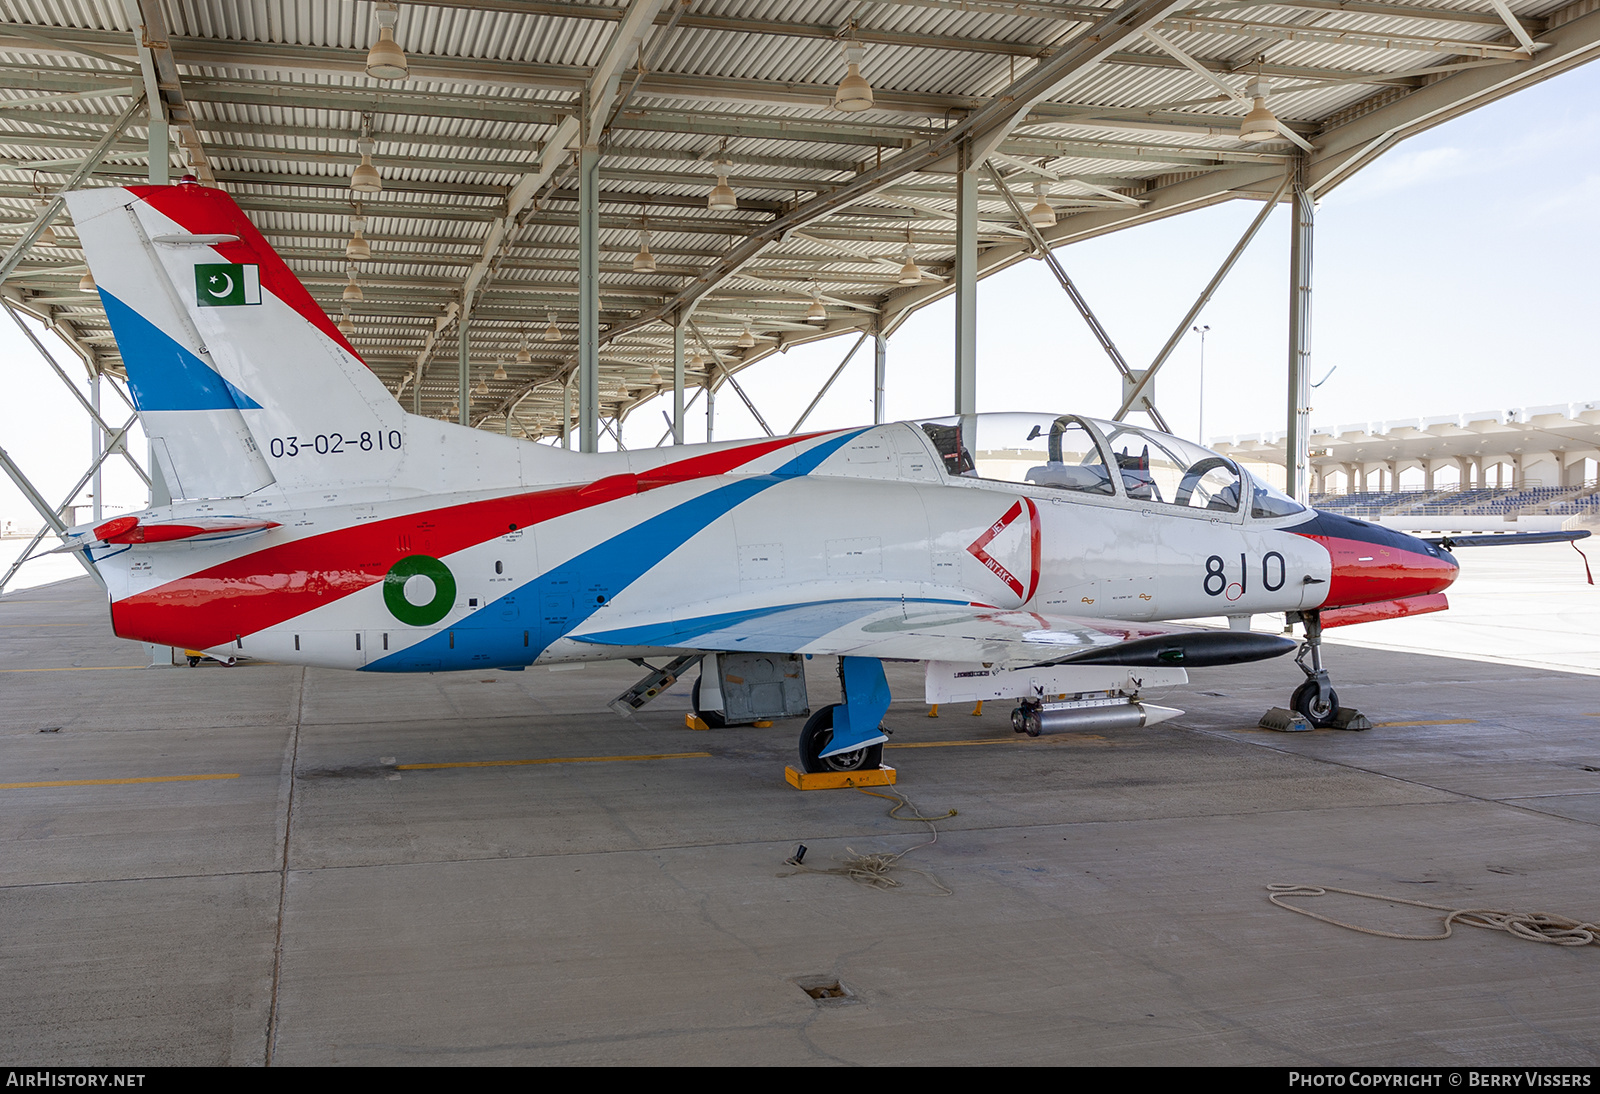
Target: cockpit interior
{"type": "Point", "coordinates": [1105, 458]}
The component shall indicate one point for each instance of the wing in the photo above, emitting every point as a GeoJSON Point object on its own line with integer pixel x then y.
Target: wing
{"type": "Point", "coordinates": [922, 630]}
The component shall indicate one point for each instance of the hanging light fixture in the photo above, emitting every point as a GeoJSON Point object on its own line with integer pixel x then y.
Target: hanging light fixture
{"type": "Point", "coordinates": [746, 339]}
{"type": "Point", "coordinates": [1260, 124]}
{"type": "Point", "coordinates": [454, 412]}
{"type": "Point", "coordinates": [644, 261]}
{"type": "Point", "coordinates": [552, 333]}
{"type": "Point", "coordinates": [816, 313]}
{"type": "Point", "coordinates": [352, 288]}
{"type": "Point", "coordinates": [386, 60]}
{"type": "Point", "coordinates": [86, 283]}
{"type": "Point", "coordinates": [655, 374]}
{"type": "Point", "coordinates": [722, 195]}
{"type": "Point", "coordinates": [365, 178]}
{"type": "Point", "coordinates": [482, 386]}
{"type": "Point", "coordinates": [357, 249]}
{"type": "Point", "coordinates": [500, 369]}
{"type": "Point", "coordinates": [523, 356]}
{"type": "Point", "coordinates": [910, 273]}
{"type": "Point", "coordinates": [854, 92]}
{"type": "Point", "coordinates": [1041, 215]}
{"type": "Point", "coordinates": [347, 325]}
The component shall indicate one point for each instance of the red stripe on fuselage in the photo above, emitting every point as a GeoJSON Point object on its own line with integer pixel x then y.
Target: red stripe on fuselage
{"type": "Point", "coordinates": [204, 211]}
{"type": "Point", "coordinates": [1365, 572]}
{"type": "Point", "coordinates": [262, 589]}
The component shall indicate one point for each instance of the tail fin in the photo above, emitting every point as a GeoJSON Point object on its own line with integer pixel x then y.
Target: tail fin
{"type": "Point", "coordinates": [240, 379]}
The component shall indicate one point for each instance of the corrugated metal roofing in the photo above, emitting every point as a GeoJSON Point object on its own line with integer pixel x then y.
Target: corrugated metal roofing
{"type": "Point", "coordinates": [275, 94]}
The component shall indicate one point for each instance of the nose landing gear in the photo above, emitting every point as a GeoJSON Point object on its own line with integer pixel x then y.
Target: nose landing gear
{"type": "Point", "coordinates": [1315, 700]}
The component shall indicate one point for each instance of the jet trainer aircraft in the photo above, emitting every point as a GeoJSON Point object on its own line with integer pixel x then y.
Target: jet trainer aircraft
{"type": "Point", "coordinates": [1036, 557]}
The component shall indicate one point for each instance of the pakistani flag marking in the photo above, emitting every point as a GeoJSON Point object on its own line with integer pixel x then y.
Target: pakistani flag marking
{"type": "Point", "coordinates": [226, 284]}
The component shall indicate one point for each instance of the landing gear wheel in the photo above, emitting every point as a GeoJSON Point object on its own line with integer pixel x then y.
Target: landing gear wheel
{"type": "Point", "coordinates": [193, 661]}
{"type": "Point", "coordinates": [1317, 713]}
{"type": "Point", "coordinates": [1025, 719]}
{"type": "Point", "coordinates": [713, 718]}
{"type": "Point", "coordinates": [816, 737]}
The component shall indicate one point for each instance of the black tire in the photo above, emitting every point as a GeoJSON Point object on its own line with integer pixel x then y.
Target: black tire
{"type": "Point", "coordinates": [817, 735]}
{"type": "Point", "coordinates": [713, 718]}
{"type": "Point", "coordinates": [1305, 702]}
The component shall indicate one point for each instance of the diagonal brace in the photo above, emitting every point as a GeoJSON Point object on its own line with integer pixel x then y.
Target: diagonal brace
{"type": "Point", "coordinates": [813, 404]}
{"type": "Point", "coordinates": [729, 377]}
{"type": "Point", "coordinates": [1078, 301]}
{"type": "Point", "coordinates": [1203, 299]}
{"type": "Point", "coordinates": [65, 379]}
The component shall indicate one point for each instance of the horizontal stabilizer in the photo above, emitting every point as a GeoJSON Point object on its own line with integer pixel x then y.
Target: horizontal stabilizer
{"type": "Point", "coordinates": [1501, 539]}
{"type": "Point", "coordinates": [133, 530]}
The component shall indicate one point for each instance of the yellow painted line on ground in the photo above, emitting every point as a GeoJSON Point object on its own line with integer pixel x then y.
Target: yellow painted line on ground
{"type": "Point", "coordinates": [79, 668]}
{"type": "Point", "coordinates": [1439, 722]}
{"type": "Point", "coordinates": [118, 782]}
{"type": "Point", "coordinates": [555, 760]}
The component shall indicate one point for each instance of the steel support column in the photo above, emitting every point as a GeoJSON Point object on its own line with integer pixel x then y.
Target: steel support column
{"type": "Point", "coordinates": [677, 381]}
{"type": "Point", "coordinates": [1297, 441]}
{"type": "Point", "coordinates": [880, 353]}
{"type": "Point", "coordinates": [711, 403]}
{"type": "Point", "coordinates": [588, 287]}
{"type": "Point", "coordinates": [463, 381]}
{"type": "Point", "coordinates": [566, 415]}
{"type": "Point", "coordinates": [966, 393]}
{"type": "Point", "coordinates": [97, 444]}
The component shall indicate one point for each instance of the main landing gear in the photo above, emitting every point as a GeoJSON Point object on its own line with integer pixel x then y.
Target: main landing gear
{"type": "Point", "coordinates": [1315, 700]}
{"type": "Point", "coordinates": [849, 736]}
{"type": "Point", "coordinates": [818, 735]}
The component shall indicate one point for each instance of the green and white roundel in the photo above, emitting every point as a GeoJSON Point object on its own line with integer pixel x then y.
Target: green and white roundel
{"type": "Point", "coordinates": [400, 578]}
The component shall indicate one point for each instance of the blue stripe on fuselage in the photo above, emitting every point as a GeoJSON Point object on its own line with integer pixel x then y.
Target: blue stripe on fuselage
{"type": "Point", "coordinates": [785, 628]}
{"type": "Point", "coordinates": [484, 640]}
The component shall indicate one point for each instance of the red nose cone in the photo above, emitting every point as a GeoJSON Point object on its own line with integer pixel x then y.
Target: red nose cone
{"type": "Point", "coordinates": [1365, 572]}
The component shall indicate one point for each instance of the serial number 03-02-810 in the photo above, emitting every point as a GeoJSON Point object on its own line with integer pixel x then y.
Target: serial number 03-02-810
{"type": "Point", "coordinates": [330, 444]}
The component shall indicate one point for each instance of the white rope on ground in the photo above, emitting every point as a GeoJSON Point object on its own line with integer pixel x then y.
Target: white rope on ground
{"type": "Point", "coordinates": [873, 869]}
{"type": "Point", "coordinates": [1533, 926]}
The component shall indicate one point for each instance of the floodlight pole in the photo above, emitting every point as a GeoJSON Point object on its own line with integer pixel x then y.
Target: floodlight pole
{"type": "Point", "coordinates": [1297, 441]}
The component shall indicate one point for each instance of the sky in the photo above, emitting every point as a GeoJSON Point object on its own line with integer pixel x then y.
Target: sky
{"type": "Point", "coordinates": [1456, 273]}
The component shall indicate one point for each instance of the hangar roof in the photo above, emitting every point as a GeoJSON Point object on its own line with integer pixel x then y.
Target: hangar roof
{"type": "Point", "coordinates": [1118, 113]}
